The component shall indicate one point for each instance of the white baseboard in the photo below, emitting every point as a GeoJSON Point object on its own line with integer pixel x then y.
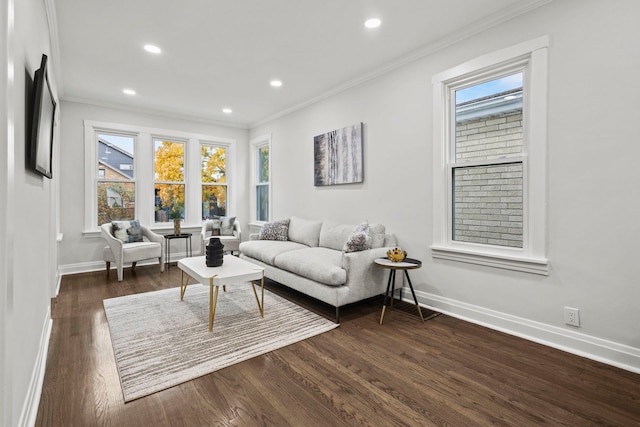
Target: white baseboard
{"type": "Point", "coordinates": [571, 341]}
{"type": "Point", "coordinates": [87, 267]}
{"type": "Point", "coordinates": [29, 411]}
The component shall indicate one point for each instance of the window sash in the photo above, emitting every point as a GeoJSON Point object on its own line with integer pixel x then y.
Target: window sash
{"type": "Point", "coordinates": [261, 189]}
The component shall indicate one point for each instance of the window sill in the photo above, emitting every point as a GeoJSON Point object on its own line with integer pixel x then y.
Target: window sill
{"type": "Point", "coordinates": [524, 264]}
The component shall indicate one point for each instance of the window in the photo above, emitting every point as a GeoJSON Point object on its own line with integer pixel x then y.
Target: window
{"type": "Point", "coordinates": [214, 181]}
{"type": "Point", "coordinates": [489, 151]}
{"type": "Point", "coordinates": [165, 178]}
{"type": "Point", "coordinates": [487, 189]}
{"type": "Point", "coordinates": [169, 180]}
{"type": "Point", "coordinates": [261, 178]}
{"type": "Point", "coordinates": [116, 187]}
{"type": "Point", "coordinates": [262, 185]}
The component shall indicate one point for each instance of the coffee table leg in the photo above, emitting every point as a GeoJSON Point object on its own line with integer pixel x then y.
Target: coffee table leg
{"type": "Point", "coordinates": [260, 305]}
{"type": "Point", "coordinates": [213, 300]}
{"type": "Point", "coordinates": [183, 284]}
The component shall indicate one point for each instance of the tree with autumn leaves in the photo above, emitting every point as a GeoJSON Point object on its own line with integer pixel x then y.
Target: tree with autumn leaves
{"type": "Point", "coordinates": [170, 169]}
{"type": "Point", "coordinates": [214, 171]}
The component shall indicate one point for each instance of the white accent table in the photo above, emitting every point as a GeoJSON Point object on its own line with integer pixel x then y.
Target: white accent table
{"type": "Point", "coordinates": [233, 271]}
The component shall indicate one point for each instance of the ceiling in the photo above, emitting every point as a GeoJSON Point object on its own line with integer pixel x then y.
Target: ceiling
{"type": "Point", "coordinates": [223, 53]}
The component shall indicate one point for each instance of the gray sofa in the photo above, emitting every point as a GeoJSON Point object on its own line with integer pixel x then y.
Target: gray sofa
{"type": "Point", "coordinates": [312, 261]}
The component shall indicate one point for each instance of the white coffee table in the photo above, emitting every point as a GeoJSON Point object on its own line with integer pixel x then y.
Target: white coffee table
{"type": "Point", "coordinates": [233, 271]}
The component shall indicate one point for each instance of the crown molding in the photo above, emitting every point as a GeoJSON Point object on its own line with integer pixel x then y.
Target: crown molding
{"type": "Point", "coordinates": [54, 41]}
{"type": "Point", "coordinates": [428, 49]}
{"type": "Point", "coordinates": [155, 112]}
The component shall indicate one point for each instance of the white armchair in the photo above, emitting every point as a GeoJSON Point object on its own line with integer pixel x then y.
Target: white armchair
{"type": "Point", "coordinates": [119, 252]}
{"type": "Point", "coordinates": [231, 243]}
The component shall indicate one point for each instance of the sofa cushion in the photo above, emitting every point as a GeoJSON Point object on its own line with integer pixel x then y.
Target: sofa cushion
{"type": "Point", "coordinates": [359, 240]}
{"type": "Point", "coordinates": [377, 235]}
{"type": "Point", "coordinates": [333, 234]}
{"type": "Point", "coordinates": [304, 231]}
{"type": "Point", "coordinates": [267, 250]}
{"type": "Point", "coordinates": [320, 264]}
{"type": "Point", "coordinates": [276, 230]}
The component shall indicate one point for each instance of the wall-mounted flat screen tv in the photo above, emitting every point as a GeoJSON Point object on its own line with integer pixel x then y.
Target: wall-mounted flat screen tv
{"type": "Point", "coordinates": [44, 109]}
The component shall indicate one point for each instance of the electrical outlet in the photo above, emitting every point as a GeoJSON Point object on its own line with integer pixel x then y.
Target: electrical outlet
{"type": "Point", "coordinates": [572, 316]}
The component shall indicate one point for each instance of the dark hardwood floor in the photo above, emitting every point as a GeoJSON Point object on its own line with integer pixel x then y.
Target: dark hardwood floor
{"type": "Point", "coordinates": [441, 372]}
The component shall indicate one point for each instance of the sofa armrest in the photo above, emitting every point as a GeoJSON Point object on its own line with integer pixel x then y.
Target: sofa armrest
{"type": "Point", "coordinates": [357, 263]}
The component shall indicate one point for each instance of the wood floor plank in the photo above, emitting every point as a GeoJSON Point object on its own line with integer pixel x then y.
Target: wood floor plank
{"type": "Point", "coordinates": [404, 372]}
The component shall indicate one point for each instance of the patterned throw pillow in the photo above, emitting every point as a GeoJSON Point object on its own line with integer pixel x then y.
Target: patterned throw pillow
{"type": "Point", "coordinates": [276, 230]}
{"type": "Point", "coordinates": [226, 226]}
{"type": "Point", "coordinates": [215, 227]}
{"type": "Point", "coordinates": [359, 240]}
{"type": "Point", "coordinates": [127, 231]}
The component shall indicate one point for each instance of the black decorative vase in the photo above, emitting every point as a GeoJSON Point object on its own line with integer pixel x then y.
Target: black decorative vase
{"type": "Point", "coordinates": [214, 252]}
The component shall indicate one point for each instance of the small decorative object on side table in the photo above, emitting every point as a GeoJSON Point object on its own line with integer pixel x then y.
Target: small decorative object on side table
{"type": "Point", "coordinates": [404, 265]}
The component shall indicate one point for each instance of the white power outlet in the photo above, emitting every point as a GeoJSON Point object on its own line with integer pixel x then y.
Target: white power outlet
{"type": "Point", "coordinates": [572, 316]}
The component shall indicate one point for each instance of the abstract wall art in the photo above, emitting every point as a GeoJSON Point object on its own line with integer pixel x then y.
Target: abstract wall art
{"type": "Point", "coordinates": [338, 156]}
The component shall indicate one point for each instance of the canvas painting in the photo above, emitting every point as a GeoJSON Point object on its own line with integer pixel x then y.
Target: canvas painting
{"type": "Point", "coordinates": [338, 156]}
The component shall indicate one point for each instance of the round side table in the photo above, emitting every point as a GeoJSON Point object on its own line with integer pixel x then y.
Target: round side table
{"type": "Point", "coordinates": [406, 265]}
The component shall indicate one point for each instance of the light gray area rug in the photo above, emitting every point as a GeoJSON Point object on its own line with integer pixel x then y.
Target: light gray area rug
{"type": "Point", "coordinates": [160, 341]}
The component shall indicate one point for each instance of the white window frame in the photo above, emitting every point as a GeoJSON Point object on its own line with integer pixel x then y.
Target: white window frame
{"type": "Point", "coordinates": [256, 144]}
{"type": "Point", "coordinates": [531, 57]}
{"type": "Point", "coordinates": [144, 172]}
{"type": "Point", "coordinates": [214, 144]}
{"type": "Point", "coordinates": [185, 143]}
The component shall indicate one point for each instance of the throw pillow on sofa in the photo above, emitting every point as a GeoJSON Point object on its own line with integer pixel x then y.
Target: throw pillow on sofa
{"type": "Point", "coordinates": [359, 240]}
{"type": "Point", "coordinates": [276, 230]}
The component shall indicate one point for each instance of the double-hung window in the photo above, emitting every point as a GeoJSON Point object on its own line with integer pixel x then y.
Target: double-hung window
{"type": "Point", "coordinates": [115, 180]}
{"type": "Point", "coordinates": [261, 178]}
{"type": "Point", "coordinates": [489, 160]}
{"type": "Point", "coordinates": [169, 179]}
{"type": "Point", "coordinates": [213, 180]}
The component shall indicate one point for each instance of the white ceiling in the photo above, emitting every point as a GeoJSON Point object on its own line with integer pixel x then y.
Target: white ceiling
{"type": "Point", "coordinates": [223, 53]}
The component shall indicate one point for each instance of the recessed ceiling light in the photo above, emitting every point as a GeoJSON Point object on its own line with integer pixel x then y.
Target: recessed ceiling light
{"type": "Point", "coordinates": [152, 49]}
{"type": "Point", "coordinates": [227, 110]}
{"type": "Point", "coordinates": [128, 91]}
{"type": "Point", "coordinates": [372, 23]}
{"type": "Point", "coordinates": [276, 83]}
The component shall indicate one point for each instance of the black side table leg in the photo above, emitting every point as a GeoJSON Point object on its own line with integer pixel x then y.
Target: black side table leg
{"type": "Point", "coordinates": [167, 252]}
{"type": "Point", "coordinates": [386, 296]}
{"type": "Point", "coordinates": [406, 273]}
{"type": "Point", "coordinates": [393, 287]}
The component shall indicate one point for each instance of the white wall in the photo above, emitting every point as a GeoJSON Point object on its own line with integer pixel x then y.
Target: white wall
{"type": "Point", "coordinates": [592, 207]}
{"type": "Point", "coordinates": [28, 257]}
{"type": "Point", "coordinates": [79, 252]}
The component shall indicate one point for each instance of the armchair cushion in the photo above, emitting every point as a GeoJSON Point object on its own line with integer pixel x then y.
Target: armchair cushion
{"type": "Point", "coordinates": [127, 231]}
